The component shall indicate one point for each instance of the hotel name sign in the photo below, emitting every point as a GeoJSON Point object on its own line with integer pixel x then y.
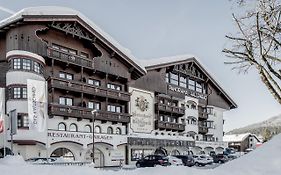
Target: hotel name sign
{"type": "Point", "coordinates": [187, 92]}
{"type": "Point", "coordinates": [67, 135]}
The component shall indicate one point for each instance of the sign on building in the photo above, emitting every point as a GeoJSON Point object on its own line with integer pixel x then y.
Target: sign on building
{"type": "Point", "coordinates": [37, 104]}
{"type": "Point", "coordinates": [142, 111]}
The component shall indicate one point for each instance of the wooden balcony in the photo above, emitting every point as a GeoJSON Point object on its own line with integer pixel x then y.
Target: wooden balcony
{"type": "Point", "coordinates": [202, 129]}
{"type": "Point", "coordinates": [169, 126]}
{"type": "Point", "coordinates": [88, 89]}
{"type": "Point", "coordinates": [171, 109]}
{"type": "Point", "coordinates": [70, 58]}
{"type": "Point", "coordinates": [86, 113]}
{"type": "Point", "coordinates": [202, 115]}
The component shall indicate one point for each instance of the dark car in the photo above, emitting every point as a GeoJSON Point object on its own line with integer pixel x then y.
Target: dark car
{"type": "Point", "coordinates": [220, 158]}
{"type": "Point", "coordinates": [186, 160]}
{"type": "Point", "coordinates": [152, 160]}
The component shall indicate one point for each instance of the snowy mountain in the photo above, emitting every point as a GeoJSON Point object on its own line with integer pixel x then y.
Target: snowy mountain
{"type": "Point", "coordinates": [272, 125]}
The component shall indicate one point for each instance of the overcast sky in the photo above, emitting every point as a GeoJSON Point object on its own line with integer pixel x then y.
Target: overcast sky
{"type": "Point", "coordinates": [161, 28]}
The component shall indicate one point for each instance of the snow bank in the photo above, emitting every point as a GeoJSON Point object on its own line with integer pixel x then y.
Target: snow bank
{"type": "Point", "coordinates": [266, 160]}
{"type": "Point", "coordinates": [12, 160]}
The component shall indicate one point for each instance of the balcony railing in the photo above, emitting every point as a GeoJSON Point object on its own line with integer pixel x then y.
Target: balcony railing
{"type": "Point", "coordinates": [87, 88]}
{"type": "Point", "coordinates": [202, 129]}
{"type": "Point", "coordinates": [172, 109]}
{"type": "Point", "coordinates": [69, 58]}
{"type": "Point", "coordinates": [86, 113]}
{"type": "Point", "coordinates": [202, 115]}
{"type": "Point", "coordinates": [169, 126]}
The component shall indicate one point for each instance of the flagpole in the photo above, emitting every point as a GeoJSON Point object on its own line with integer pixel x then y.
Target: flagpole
{"type": "Point", "coordinates": [4, 135]}
{"type": "Point", "coordinates": [47, 118]}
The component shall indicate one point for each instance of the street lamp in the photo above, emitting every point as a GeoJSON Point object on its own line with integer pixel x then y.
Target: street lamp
{"type": "Point", "coordinates": [93, 118]}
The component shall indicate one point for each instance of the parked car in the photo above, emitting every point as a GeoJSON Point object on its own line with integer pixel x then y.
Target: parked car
{"type": "Point", "coordinates": [41, 160]}
{"type": "Point", "coordinates": [220, 158]}
{"type": "Point", "coordinates": [202, 160]}
{"type": "Point", "coordinates": [153, 160]}
{"type": "Point", "coordinates": [187, 160]}
{"type": "Point", "coordinates": [174, 160]}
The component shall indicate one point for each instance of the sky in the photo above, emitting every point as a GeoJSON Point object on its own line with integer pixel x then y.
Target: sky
{"type": "Point", "coordinates": [161, 28]}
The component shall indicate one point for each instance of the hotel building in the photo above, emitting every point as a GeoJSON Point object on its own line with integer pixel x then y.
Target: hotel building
{"type": "Point", "coordinates": [94, 85]}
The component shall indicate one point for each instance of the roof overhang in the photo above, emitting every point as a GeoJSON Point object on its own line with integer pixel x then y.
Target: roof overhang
{"type": "Point", "coordinates": [182, 59]}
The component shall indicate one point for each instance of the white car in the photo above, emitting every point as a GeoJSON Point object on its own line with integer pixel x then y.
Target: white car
{"type": "Point", "coordinates": [202, 160]}
{"type": "Point", "coordinates": [175, 161]}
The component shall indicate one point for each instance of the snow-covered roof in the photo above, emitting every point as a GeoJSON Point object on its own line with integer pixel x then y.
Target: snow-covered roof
{"type": "Point", "coordinates": [164, 60]}
{"type": "Point", "coordinates": [235, 137]}
{"type": "Point", "coordinates": [178, 59]}
{"type": "Point", "coordinates": [65, 11]}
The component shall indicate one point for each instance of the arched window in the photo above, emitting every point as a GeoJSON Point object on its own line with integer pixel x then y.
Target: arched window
{"type": "Point", "coordinates": [118, 131]}
{"type": "Point", "coordinates": [97, 129]}
{"type": "Point", "coordinates": [62, 127]}
{"type": "Point", "coordinates": [73, 127]}
{"type": "Point", "coordinates": [191, 104]}
{"type": "Point", "coordinates": [88, 128]}
{"type": "Point", "coordinates": [65, 153]}
{"type": "Point", "coordinates": [109, 130]}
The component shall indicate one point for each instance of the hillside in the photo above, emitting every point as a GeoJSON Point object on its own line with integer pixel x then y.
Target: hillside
{"type": "Point", "coordinates": [271, 126]}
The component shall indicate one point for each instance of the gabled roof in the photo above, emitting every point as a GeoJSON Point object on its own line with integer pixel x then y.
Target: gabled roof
{"type": "Point", "coordinates": [237, 137]}
{"type": "Point", "coordinates": [51, 13]}
{"type": "Point", "coordinates": [157, 63]}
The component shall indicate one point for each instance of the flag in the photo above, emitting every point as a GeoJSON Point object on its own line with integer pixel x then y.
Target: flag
{"type": "Point", "coordinates": [2, 108]}
{"type": "Point", "coordinates": [37, 104]}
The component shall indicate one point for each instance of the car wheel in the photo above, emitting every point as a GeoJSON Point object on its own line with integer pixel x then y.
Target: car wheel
{"type": "Point", "coordinates": [196, 164]}
{"type": "Point", "coordinates": [138, 165]}
{"type": "Point", "coordinates": [220, 162]}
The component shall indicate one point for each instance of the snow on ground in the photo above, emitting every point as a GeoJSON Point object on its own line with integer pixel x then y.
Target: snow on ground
{"type": "Point", "coordinates": [266, 160]}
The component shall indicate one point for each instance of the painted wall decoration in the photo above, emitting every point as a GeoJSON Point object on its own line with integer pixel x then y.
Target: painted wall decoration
{"type": "Point", "coordinates": [142, 111]}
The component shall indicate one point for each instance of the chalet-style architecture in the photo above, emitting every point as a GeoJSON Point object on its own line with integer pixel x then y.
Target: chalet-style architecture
{"type": "Point", "coordinates": [242, 142]}
{"type": "Point", "coordinates": [186, 105]}
{"type": "Point", "coordinates": [65, 79]}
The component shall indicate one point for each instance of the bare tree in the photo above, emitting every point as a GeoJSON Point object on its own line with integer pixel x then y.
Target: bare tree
{"type": "Point", "coordinates": [257, 43]}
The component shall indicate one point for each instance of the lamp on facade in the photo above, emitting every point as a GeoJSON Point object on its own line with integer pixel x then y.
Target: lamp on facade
{"type": "Point", "coordinates": [94, 112]}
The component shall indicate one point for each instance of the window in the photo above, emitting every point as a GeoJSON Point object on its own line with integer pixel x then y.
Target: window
{"type": "Point", "coordinates": [24, 92]}
{"type": "Point", "coordinates": [66, 76]}
{"type": "Point", "coordinates": [94, 82]}
{"type": "Point", "coordinates": [118, 131]}
{"type": "Point", "coordinates": [26, 64]}
{"type": "Point", "coordinates": [17, 93]}
{"type": "Point", "coordinates": [199, 87]}
{"type": "Point", "coordinates": [94, 105]}
{"type": "Point", "coordinates": [183, 82]}
{"type": "Point", "coordinates": [36, 67]}
{"type": "Point", "coordinates": [114, 86]}
{"type": "Point", "coordinates": [191, 84]}
{"type": "Point", "coordinates": [88, 128]}
{"type": "Point", "coordinates": [73, 127]}
{"type": "Point", "coordinates": [97, 129]}
{"type": "Point", "coordinates": [162, 118]}
{"type": "Point", "coordinates": [113, 108]}
{"type": "Point", "coordinates": [62, 127]}
{"type": "Point", "coordinates": [174, 79]}
{"type": "Point", "coordinates": [167, 78]}
{"type": "Point", "coordinates": [65, 101]}
{"type": "Point", "coordinates": [23, 121]}
{"type": "Point", "coordinates": [16, 63]}
{"type": "Point", "coordinates": [109, 130]}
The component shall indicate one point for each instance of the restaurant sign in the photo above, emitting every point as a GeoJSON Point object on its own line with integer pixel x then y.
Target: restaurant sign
{"type": "Point", "coordinates": [187, 92]}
